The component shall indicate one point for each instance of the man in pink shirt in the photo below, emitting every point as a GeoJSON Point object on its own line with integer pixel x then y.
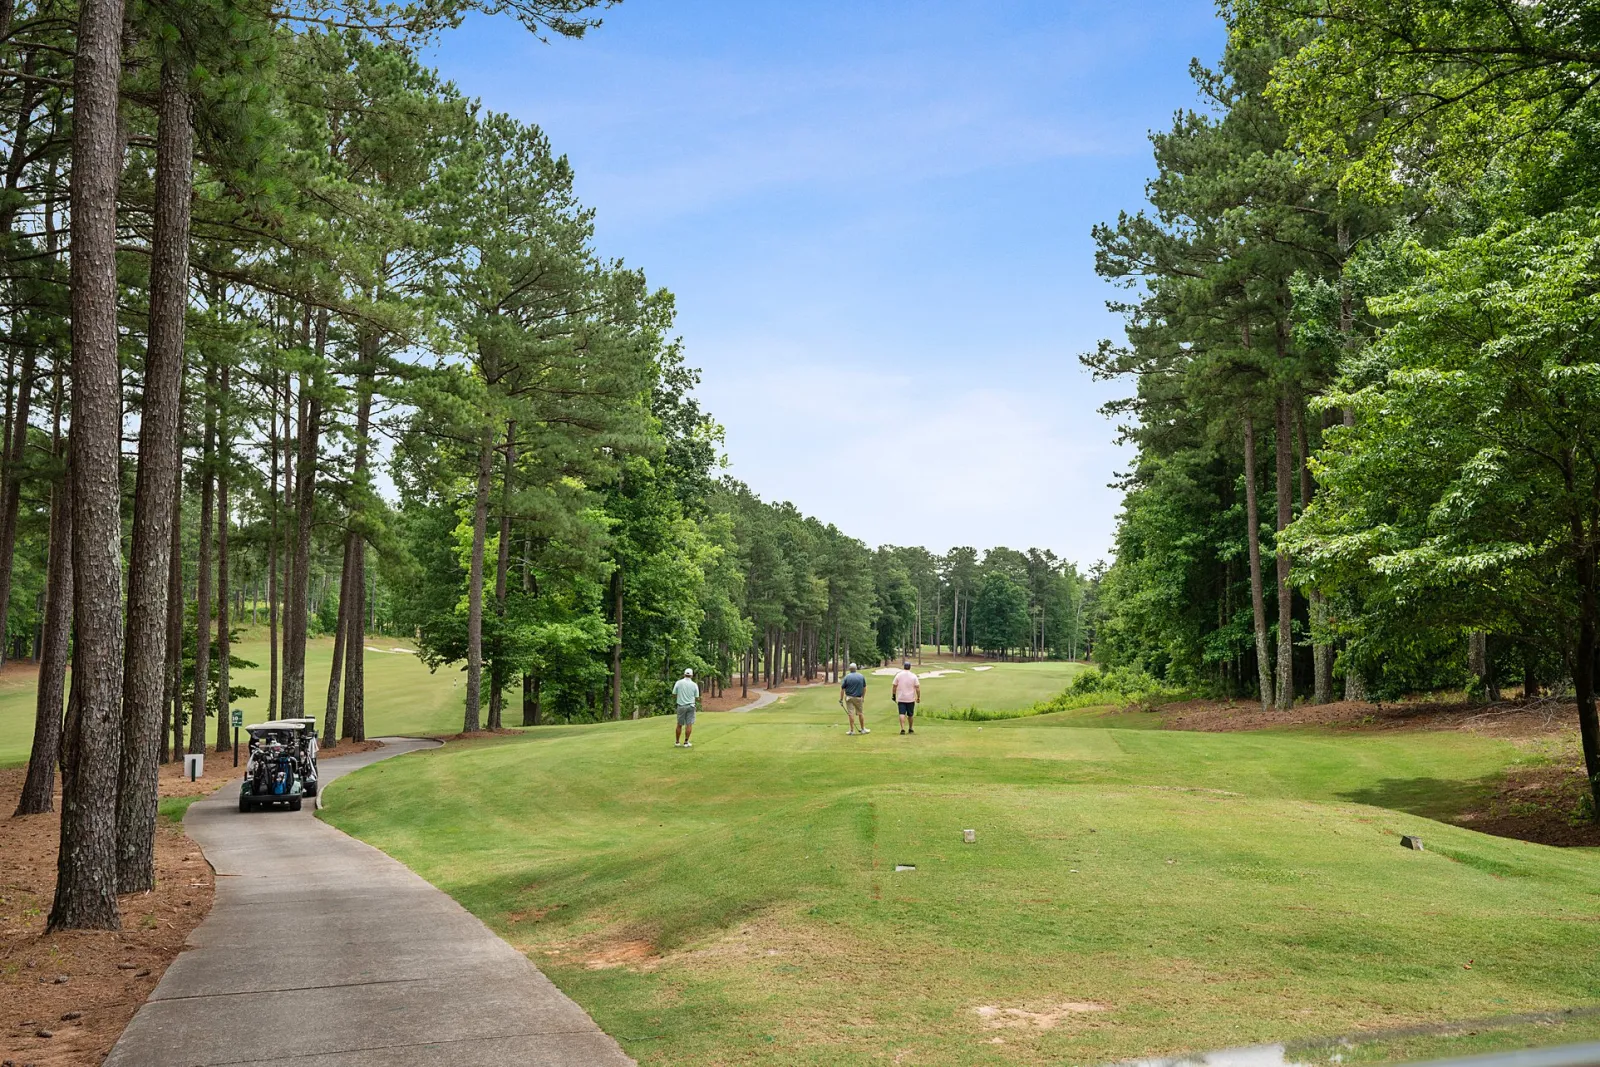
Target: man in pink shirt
{"type": "Point", "coordinates": [907, 690]}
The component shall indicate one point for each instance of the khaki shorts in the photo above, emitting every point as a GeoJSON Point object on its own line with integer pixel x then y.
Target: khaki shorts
{"type": "Point", "coordinates": [852, 706]}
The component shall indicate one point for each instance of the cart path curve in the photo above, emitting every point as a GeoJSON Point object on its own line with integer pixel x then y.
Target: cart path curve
{"type": "Point", "coordinates": [763, 697]}
{"type": "Point", "coordinates": [321, 951]}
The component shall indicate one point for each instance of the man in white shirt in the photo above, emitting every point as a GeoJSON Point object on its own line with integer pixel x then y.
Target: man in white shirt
{"type": "Point", "coordinates": [687, 696]}
{"type": "Point", "coordinates": [907, 690]}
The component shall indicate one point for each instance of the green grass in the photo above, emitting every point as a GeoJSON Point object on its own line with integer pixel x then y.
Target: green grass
{"type": "Point", "coordinates": [173, 809]}
{"type": "Point", "coordinates": [402, 697]}
{"type": "Point", "coordinates": [1005, 687]}
{"type": "Point", "coordinates": [738, 903]}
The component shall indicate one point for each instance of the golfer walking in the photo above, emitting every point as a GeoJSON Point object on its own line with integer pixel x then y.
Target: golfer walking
{"type": "Point", "coordinates": [907, 690]}
{"type": "Point", "coordinates": [687, 695]}
{"type": "Point", "coordinates": [852, 692]}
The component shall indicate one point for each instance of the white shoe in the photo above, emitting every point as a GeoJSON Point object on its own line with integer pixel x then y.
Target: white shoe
{"type": "Point", "coordinates": [688, 744]}
{"type": "Point", "coordinates": [864, 730]}
{"type": "Point", "coordinates": [677, 744]}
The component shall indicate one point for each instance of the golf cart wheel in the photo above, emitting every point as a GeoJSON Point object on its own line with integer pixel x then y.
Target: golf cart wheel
{"type": "Point", "coordinates": [244, 804]}
{"type": "Point", "coordinates": [311, 789]}
{"type": "Point", "coordinates": [294, 805]}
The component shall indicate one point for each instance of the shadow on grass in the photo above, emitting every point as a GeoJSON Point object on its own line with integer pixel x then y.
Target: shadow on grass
{"type": "Point", "coordinates": [1432, 798]}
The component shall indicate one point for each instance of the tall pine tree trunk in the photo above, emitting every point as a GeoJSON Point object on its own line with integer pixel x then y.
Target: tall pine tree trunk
{"type": "Point", "coordinates": [480, 521]}
{"type": "Point", "coordinates": [1285, 494]}
{"type": "Point", "coordinates": [286, 548]}
{"type": "Point", "coordinates": [355, 646]}
{"type": "Point", "coordinates": [86, 867]}
{"type": "Point", "coordinates": [497, 669]}
{"type": "Point", "coordinates": [202, 615]}
{"type": "Point", "coordinates": [530, 680]}
{"type": "Point", "coordinates": [273, 444]}
{"type": "Point", "coordinates": [294, 657]}
{"type": "Point", "coordinates": [1258, 606]}
{"type": "Point", "coordinates": [355, 643]}
{"type": "Point", "coordinates": [224, 457]}
{"type": "Point", "coordinates": [341, 626]}
{"type": "Point", "coordinates": [144, 669]}
{"type": "Point", "coordinates": [172, 689]}
{"type": "Point", "coordinates": [11, 502]}
{"type": "Point", "coordinates": [39, 787]}
{"type": "Point", "coordinates": [616, 642]}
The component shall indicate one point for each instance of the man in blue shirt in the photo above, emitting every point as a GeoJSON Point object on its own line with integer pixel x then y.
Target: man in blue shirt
{"type": "Point", "coordinates": [852, 693]}
{"type": "Point", "coordinates": [687, 695]}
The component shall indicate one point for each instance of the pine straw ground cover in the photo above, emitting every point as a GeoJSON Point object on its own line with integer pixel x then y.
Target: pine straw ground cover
{"type": "Point", "coordinates": [65, 998]}
{"type": "Point", "coordinates": [1131, 891]}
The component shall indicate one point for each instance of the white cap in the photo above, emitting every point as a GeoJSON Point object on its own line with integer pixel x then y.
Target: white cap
{"type": "Point", "coordinates": [688, 672]}
{"type": "Point", "coordinates": [852, 666]}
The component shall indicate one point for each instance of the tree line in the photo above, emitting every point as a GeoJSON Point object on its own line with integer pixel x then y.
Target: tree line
{"type": "Point", "coordinates": [1361, 327]}
{"type": "Point", "coordinates": [260, 266]}
{"type": "Point", "coordinates": [605, 593]}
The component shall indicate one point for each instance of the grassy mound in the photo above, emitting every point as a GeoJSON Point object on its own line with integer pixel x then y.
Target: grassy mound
{"type": "Point", "coordinates": [1130, 892]}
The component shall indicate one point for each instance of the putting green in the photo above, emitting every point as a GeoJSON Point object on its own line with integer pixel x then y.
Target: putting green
{"type": "Point", "coordinates": [1130, 892]}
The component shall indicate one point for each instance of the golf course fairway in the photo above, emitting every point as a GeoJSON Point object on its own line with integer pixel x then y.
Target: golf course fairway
{"type": "Point", "coordinates": [1130, 892]}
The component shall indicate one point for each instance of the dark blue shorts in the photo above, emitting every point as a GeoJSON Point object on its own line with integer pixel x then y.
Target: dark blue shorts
{"type": "Point", "coordinates": [908, 709]}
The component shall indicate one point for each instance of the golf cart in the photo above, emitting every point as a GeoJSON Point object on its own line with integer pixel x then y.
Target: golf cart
{"type": "Point", "coordinates": [275, 773]}
{"type": "Point", "coordinates": [308, 753]}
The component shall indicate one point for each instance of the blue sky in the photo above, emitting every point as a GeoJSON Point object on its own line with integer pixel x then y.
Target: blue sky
{"type": "Point", "coordinates": [875, 218]}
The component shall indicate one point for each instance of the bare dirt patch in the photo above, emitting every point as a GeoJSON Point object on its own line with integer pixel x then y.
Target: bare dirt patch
{"type": "Point", "coordinates": [80, 988]}
{"type": "Point", "coordinates": [637, 952]}
{"type": "Point", "coordinates": [1536, 801]}
{"type": "Point", "coordinates": [476, 735]}
{"type": "Point", "coordinates": [1044, 1019]}
{"type": "Point", "coordinates": [1532, 719]}
{"type": "Point", "coordinates": [730, 700]}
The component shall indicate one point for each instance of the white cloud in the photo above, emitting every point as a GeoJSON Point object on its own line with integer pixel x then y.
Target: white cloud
{"type": "Point", "coordinates": [922, 457]}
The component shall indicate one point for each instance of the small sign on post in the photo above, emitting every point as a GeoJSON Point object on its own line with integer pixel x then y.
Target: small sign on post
{"type": "Point", "coordinates": [194, 765]}
{"type": "Point", "coordinates": [236, 717]}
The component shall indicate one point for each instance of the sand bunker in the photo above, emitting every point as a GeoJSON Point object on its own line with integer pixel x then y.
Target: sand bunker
{"type": "Point", "coordinates": [983, 668]}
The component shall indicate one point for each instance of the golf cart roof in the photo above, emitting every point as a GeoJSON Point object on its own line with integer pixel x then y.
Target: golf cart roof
{"type": "Point", "coordinates": [282, 724]}
{"type": "Point", "coordinates": [306, 719]}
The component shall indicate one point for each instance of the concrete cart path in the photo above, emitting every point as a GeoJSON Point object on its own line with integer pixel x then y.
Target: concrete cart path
{"type": "Point", "coordinates": [321, 951]}
{"type": "Point", "coordinates": [763, 697]}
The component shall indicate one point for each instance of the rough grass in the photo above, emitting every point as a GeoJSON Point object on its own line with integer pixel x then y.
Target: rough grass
{"type": "Point", "coordinates": [1131, 892]}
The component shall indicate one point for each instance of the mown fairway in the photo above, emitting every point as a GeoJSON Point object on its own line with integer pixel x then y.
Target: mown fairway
{"type": "Point", "coordinates": [402, 697]}
{"type": "Point", "coordinates": [1131, 891]}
